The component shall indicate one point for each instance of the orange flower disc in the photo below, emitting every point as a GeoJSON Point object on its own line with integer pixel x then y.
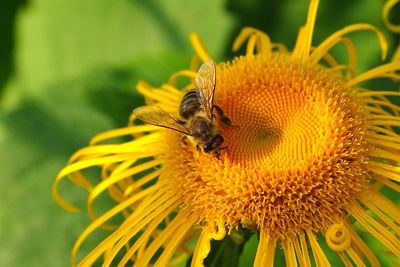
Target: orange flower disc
{"type": "Point", "coordinates": [296, 160]}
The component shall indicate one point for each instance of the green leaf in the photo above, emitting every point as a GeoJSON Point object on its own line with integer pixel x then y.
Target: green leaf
{"type": "Point", "coordinates": [36, 138]}
{"type": "Point", "coordinates": [227, 252]}
{"type": "Point", "coordinates": [224, 253]}
{"type": "Point", "coordinates": [59, 40]}
{"type": "Point", "coordinates": [249, 251]}
{"type": "Point", "coordinates": [76, 67]}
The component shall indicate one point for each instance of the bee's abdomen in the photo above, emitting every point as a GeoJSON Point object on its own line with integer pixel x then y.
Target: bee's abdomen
{"type": "Point", "coordinates": [190, 104]}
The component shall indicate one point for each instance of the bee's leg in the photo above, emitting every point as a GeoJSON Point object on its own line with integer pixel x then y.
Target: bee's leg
{"type": "Point", "coordinates": [225, 120]}
{"type": "Point", "coordinates": [198, 148]}
{"type": "Point", "coordinates": [225, 147]}
{"type": "Point", "coordinates": [184, 140]}
{"type": "Point", "coordinates": [217, 153]}
{"type": "Point", "coordinates": [181, 122]}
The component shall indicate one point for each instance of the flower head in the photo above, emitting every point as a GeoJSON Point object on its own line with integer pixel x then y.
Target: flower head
{"type": "Point", "coordinates": [307, 153]}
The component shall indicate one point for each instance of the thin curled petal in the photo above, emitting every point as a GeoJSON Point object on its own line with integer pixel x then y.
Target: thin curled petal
{"type": "Point", "coordinates": [319, 255]}
{"type": "Point", "coordinates": [183, 73]}
{"type": "Point", "coordinates": [338, 238]}
{"type": "Point", "coordinates": [336, 37]}
{"type": "Point", "coordinates": [396, 56]}
{"type": "Point", "coordinates": [388, 6]}
{"type": "Point", "coordinates": [374, 73]}
{"type": "Point", "coordinates": [255, 39]}
{"type": "Point", "coordinates": [126, 131]}
{"type": "Point", "coordinates": [289, 252]}
{"type": "Point", "coordinates": [76, 167]}
{"type": "Point", "coordinates": [102, 219]}
{"type": "Point", "coordinates": [101, 187]}
{"type": "Point", "coordinates": [199, 47]}
{"type": "Point", "coordinates": [376, 229]}
{"type": "Point", "coordinates": [304, 38]}
{"type": "Point", "coordinates": [265, 251]}
{"type": "Point", "coordinates": [202, 249]}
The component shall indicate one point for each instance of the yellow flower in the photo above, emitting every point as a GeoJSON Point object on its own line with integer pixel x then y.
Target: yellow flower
{"type": "Point", "coordinates": [387, 8]}
{"type": "Point", "coordinates": [310, 155]}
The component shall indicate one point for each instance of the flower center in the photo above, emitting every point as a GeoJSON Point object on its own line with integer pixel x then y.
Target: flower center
{"type": "Point", "coordinates": [297, 158]}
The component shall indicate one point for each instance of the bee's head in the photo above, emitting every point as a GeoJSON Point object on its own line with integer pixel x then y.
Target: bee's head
{"type": "Point", "coordinates": [213, 143]}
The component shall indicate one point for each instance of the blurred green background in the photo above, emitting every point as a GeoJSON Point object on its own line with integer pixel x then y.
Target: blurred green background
{"type": "Point", "coordinates": [68, 70]}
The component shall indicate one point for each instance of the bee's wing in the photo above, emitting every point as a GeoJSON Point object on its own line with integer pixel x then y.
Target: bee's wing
{"type": "Point", "coordinates": [157, 116]}
{"type": "Point", "coordinates": [205, 83]}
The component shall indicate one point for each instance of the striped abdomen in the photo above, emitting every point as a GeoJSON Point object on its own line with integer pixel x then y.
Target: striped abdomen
{"type": "Point", "coordinates": [190, 104]}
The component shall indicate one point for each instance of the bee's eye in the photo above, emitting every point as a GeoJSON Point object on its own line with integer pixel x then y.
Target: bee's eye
{"type": "Point", "coordinates": [207, 147]}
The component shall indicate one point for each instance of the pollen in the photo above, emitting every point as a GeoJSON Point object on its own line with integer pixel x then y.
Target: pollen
{"type": "Point", "coordinates": [294, 158]}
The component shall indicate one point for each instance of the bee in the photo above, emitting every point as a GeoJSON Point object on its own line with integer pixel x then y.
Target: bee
{"type": "Point", "coordinates": [196, 111]}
